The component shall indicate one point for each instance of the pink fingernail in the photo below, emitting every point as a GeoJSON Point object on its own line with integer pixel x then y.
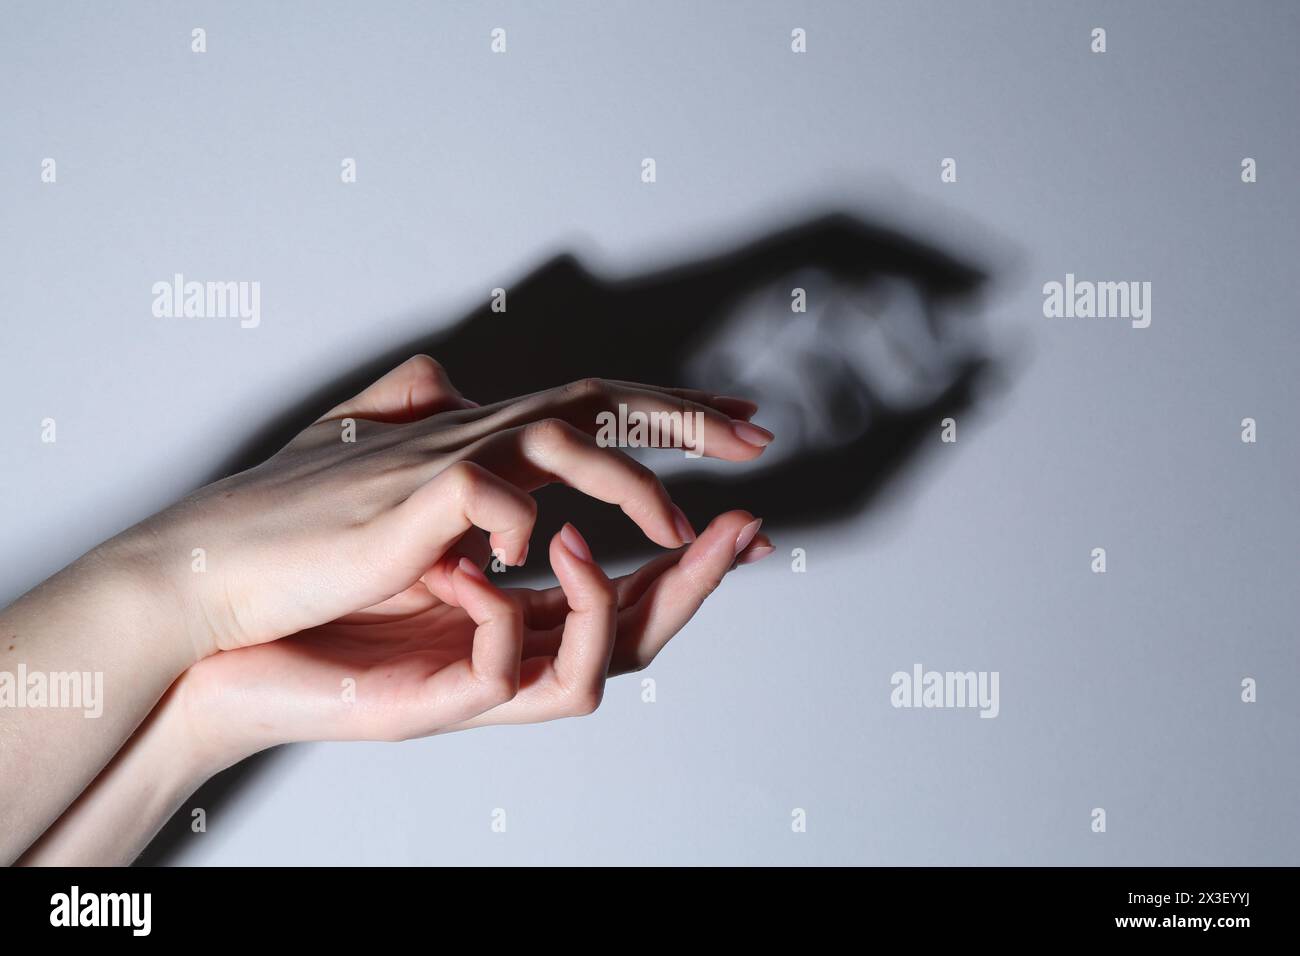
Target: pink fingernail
{"type": "Point", "coordinates": [683, 526]}
{"type": "Point", "coordinates": [470, 403]}
{"type": "Point", "coordinates": [751, 434]}
{"type": "Point", "coordinates": [755, 554]}
{"type": "Point", "coordinates": [472, 569]}
{"type": "Point", "coordinates": [747, 535]}
{"type": "Point", "coordinates": [574, 544]}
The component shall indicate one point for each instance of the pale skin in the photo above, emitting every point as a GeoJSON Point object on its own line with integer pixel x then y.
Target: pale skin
{"type": "Point", "coordinates": [343, 598]}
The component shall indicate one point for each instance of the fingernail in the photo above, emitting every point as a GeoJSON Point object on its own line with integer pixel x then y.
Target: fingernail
{"type": "Point", "coordinates": [470, 403]}
{"type": "Point", "coordinates": [472, 569]}
{"type": "Point", "coordinates": [523, 558]}
{"type": "Point", "coordinates": [683, 526]}
{"type": "Point", "coordinates": [574, 544]}
{"type": "Point", "coordinates": [751, 434]}
{"type": "Point", "coordinates": [747, 535]}
{"type": "Point", "coordinates": [755, 554]}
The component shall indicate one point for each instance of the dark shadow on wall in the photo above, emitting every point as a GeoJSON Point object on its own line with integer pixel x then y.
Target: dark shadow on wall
{"type": "Point", "coordinates": [724, 324]}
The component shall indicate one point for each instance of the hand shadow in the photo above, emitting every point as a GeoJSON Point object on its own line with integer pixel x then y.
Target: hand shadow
{"type": "Point", "coordinates": [728, 324]}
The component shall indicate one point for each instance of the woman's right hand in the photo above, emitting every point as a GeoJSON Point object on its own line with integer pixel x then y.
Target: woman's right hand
{"type": "Point", "coordinates": [417, 666]}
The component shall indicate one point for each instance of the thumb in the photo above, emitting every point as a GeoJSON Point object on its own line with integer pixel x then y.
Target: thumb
{"type": "Point", "coordinates": [417, 388]}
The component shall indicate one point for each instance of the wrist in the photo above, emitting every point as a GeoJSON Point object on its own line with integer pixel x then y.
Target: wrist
{"type": "Point", "coordinates": [210, 724]}
{"type": "Point", "coordinates": [170, 753]}
{"type": "Point", "coordinates": [150, 577]}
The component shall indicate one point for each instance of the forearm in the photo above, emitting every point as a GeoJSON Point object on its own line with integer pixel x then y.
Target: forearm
{"type": "Point", "coordinates": [114, 819]}
{"type": "Point", "coordinates": [83, 659]}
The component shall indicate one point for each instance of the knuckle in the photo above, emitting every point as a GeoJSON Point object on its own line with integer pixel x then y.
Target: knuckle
{"type": "Point", "coordinates": [547, 435]}
{"type": "Point", "coordinates": [466, 478]}
{"type": "Point", "coordinates": [704, 583]}
{"type": "Point", "coordinates": [547, 431]}
{"type": "Point", "coordinates": [584, 701]}
{"type": "Point", "coordinates": [508, 613]}
{"type": "Point", "coordinates": [519, 513]}
{"type": "Point", "coordinates": [605, 592]}
{"type": "Point", "coordinates": [647, 482]}
{"type": "Point", "coordinates": [499, 688]}
{"type": "Point", "coordinates": [601, 595]}
{"type": "Point", "coordinates": [426, 366]}
{"type": "Point", "coordinates": [589, 388]}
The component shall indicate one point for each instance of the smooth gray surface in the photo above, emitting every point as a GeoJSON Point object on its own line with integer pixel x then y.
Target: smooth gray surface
{"type": "Point", "coordinates": [1118, 691]}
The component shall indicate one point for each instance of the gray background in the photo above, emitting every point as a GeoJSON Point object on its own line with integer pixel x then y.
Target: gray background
{"type": "Point", "coordinates": [1118, 691]}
